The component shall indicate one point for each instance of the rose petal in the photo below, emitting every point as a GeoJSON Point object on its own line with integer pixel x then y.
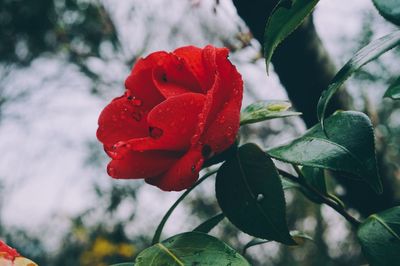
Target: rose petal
{"type": "Point", "coordinates": [176, 120]}
{"type": "Point", "coordinates": [221, 132]}
{"type": "Point", "coordinates": [121, 120]}
{"type": "Point", "coordinates": [140, 82]}
{"type": "Point", "coordinates": [182, 174]}
{"type": "Point", "coordinates": [221, 112]}
{"type": "Point", "coordinates": [146, 164]}
{"type": "Point", "coordinates": [172, 77]}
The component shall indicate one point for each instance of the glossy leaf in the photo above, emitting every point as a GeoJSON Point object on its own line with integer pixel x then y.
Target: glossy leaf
{"type": "Point", "coordinates": [208, 225]}
{"type": "Point", "coordinates": [380, 237]}
{"type": "Point", "coordinates": [265, 110]}
{"type": "Point", "coordinates": [389, 9]}
{"type": "Point", "coordinates": [249, 192]}
{"type": "Point", "coordinates": [370, 52]}
{"type": "Point", "coordinates": [348, 148]}
{"type": "Point", "coordinates": [124, 264]}
{"type": "Point", "coordinates": [315, 178]}
{"type": "Point", "coordinates": [191, 248]}
{"type": "Point", "coordinates": [298, 236]}
{"type": "Point", "coordinates": [394, 90]}
{"type": "Point", "coordinates": [283, 20]}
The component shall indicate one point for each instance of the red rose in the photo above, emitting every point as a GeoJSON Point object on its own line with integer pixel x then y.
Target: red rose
{"type": "Point", "coordinates": [178, 110]}
{"type": "Point", "coordinates": [7, 252]}
{"type": "Point", "coordinates": [10, 257]}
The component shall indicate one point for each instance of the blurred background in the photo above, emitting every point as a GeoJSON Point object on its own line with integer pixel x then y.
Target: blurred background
{"type": "Point", "coordinates": [62, 61]}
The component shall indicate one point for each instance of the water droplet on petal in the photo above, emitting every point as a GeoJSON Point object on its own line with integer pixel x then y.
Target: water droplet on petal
{"type": "Point", "coordinates": [260, 197]}
{"type": "Point", "coordinates": [137, 102]}
{"type": "Point", "coordinates": [193, 169]}
{"type": "Point", "coordinates": [156, 132]}
{"type": "Point", "coordinates": [221, 119]}
{"type": "Point", "coordinates": [137, 116]}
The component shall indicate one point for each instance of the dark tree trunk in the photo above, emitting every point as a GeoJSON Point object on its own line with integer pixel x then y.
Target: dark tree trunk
{"type": "Point", "coordinates": [305, 70]}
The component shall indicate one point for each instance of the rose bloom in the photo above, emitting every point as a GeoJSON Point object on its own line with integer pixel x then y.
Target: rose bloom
{"type": "Point", "coordinates": [10, 257]}
{"type": "Point", "coordinates": [178, 110]}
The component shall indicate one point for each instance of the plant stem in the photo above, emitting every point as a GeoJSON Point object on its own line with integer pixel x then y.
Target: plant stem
{"type": "Point", "coordinates": [160, 227]}
{"type": "Point", "coordinates": [325, 199]}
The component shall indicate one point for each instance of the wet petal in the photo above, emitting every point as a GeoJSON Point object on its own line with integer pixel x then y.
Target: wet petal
{"type": "Point", "coordinates": [182, 174]}
{"type": "Point", "coordinates": [193, 59]}
{"type": "Point", "coordinates": [139, 83]}
{"type": "Point", "coordinates": [172, 77]}
{"type": "Point", "coordinates": [146, 164]}
{"type": "Point", "coordinates": [175, 121]}
{"type": "Point", "coordinates": [122, 119]}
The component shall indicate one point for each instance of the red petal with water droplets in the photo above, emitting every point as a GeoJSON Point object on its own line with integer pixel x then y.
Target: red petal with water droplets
{"type": "Point", "coordinates": [182, 174]}
{"type": "Point", "coordinates": [122, 120]}
{"type": "Point", "coordinates": [140, 82]}
{"type": "Point", "coordinates": [146, 164]}
{"type": "Point", "coordinates": [172, 77]}
{"type": "Point", "coordinates": [193, 59]}
{"type": "Point", "coordinates": [223, 101]}
{"type": "Point", "coordinates": [177, 118]}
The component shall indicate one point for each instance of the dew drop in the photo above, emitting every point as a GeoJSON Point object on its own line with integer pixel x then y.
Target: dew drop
{"type": "Point", "coordinates": [137, 116]}
{"type": "Point", "coordinates": [221, 119]}
{"type": "Point", "coordinates": [130, 98]}
{"type": "Point", "coordinates": [155, 132]}
{"type": "Point", "coordinates": [193, 169]}
{"type": "Point", "coordinates": [137, 102]}
{"type": "Point", "coordinates": [260, 197]}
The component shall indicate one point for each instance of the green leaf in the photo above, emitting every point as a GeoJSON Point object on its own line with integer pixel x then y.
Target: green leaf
{"type": "Point", "coordinates": [265, 110]}
{"type": "Point", "coordinates": [389, 9]}
{"type": "Point", "coordinates": [283, 21]}
{"type": "Point", "coordinates": [394, 90]}
{"type": "Point", "coordinates": [298, 236]}
{"type": "Point", "coordinates": [370, 52]}
{"type": "Point", "coordinates": [191, 248]}
{"type": "Point", "coordinates": [314, 177]}
{"type": "Point", "coordinates": [380, 237]}
{"type": "Point", "coordinates": [249, 192]}
{"type": "Point", "coordinates": [348, 148]}
{"type": "Point", "coordinates": [124, 264]}
{"type": "Point", "coordinates": [208, 225]}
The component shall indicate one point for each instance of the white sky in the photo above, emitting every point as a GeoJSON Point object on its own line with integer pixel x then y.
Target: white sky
{"type": "Point", "coordinates": [44, 136]}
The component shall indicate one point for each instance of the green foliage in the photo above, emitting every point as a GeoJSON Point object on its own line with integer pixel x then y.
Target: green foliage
{"type": "Point", "coordinates": [249, 192]}
{"type": "Point", "coordinates": [208, 225]}
{"type": "Point", "coordinates": [191, 248]}
{"type": "Point", "coordinates": [370, 52]}
{"type": "Point", "coordinates": [283, 21]}
{"type": "Point", "coordinates": [265, 110]}
{"type": "Point", "coordinates": [380, 237]}
{"type": "Point", "coordinates": [389, 9]}
{"type": "Point", "coordinates": [315, 178]}
{"type": "Point", "coordinates": [73, 26]}
{"type": "Point", "coordinates": [394, 90]}
{"type": "Point", "coordinates": [349, 148]}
